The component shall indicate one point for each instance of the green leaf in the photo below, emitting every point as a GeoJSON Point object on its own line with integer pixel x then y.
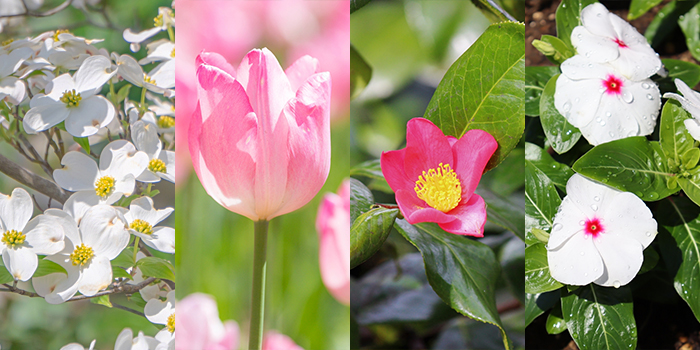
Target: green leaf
{"type": "Point", "coordinates": [83, 142]}
{"type": "Point", "coordinates": [540, 235]}
{"type": "Point", "coordinates": [686, 71]}
{"type": "Point", "coordinates": [504, 212]}
{"type": "Point", "coordinates": [541, 199]}
{"type": "Point", "coordinates": [508, 177]}
{"type": "Point", "coordinates": [462, 271]}
{"type": "Point", "coordinates": [491, 10]}
{"type": "Point", "coordinates": [640, 7]}
{"type": "Point", "coordinates": [512, 258]}
{"type": "Point", "coordinates": [119, 272]}
{"type": "Point", "coordinates": [557, 172]}
{"type": "Point", "coordinates": [357, 4]}
{"type": "Point", "coordinates": [691, 28]}
{"type": "Point", "coordinates": [555, 321]}
{"type": "Point", "coordinates": [360, 73]}
{"type": "Point", "coordinates": [152, 266]}
{"type": "Point", "coordinates": [537, 277]}
{"type": "Point", "coordinates": [102, 300]}
{"type": "Point", "coordinates": [361, 199]}
{"type": "Point", "coordinates": [690, 158]}
{"type": "Point", "coordinates": [666, 21]}
{"type": "Point", "coordinates": [691, 185]}
{"type": "Point", "coordinates": [372, 169]}
{"type": "Point", "coordinates": [568, 17]}
{"type": "Point", "coordinates": [537, 304]}
{"type": "Point", "coordinates": [492, 71]}
{"type": "Point", "coordinates": [631, 164]}
{"type": "Point", "coordinates": [368, 233]}
{"type": "Point", "coordinates": [5, 276]}
{"type": "Point", "coordinates": [681, 218]}
{"type": "Point", "coordinates": [536, 79]}
{"type": "Point", "coordinates": [600, 318]}
{"type": "Point", "coordinates": [46, 267]}
{"type": "Point", "coordinates": [123, 93]}
{"type": "Point", "coordinates": [554, 49]}
{"type": "Point", "coordinates": [673, 135]}
{"type": "Point", "coordinates": [125, 259]}
{"type": "Point", "coordinates": [560, 133]}
{"type": "Point", "coordinates": [651, 258]}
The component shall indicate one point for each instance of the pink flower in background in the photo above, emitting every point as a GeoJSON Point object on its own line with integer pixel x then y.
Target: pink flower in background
{"type": "Point", "coordinates": [260, 136]}
{"type": "Point", "coordinates": [278, 341]}
{"type": "Point", "coordinates": [199, 327]}
{"type": "Point", "coordinates": [435, 176]}
{"type": "Point", "coordinates": [333, 226]}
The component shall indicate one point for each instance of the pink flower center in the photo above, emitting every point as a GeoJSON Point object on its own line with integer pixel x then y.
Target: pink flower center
{"type": "Point", "coordinates": [593, 227]}
{"type": "Point", "coordinates": [619, 42]}
{"type": "Point", "coordinates": [613, 85]}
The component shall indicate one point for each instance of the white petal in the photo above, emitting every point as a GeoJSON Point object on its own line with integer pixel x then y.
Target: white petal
{"type": "Point", "coordinates": [56, 288]}
{"type": "Point", "coordinates": [79, 172]}
{"type": "Point", "coordinates": [130, 70]}
{"type": "Point", "coordinates": [79, 203]}
{"type": "Point", "coordinates": [43, 117]}
{"type": "Point", "coordinates": [148, 176]}
{"type": "Point", "coordinates": [627, 215]}
{"type": "Point", "coordinates": [125, 186]}
{"type": "Point", "coordinates": [576, 262]}
{"type": "Point", "coordinates": [145, 137]}
{"type": "Point", "coordinates": [168, 157]}
{"type": "Point", "coordinates": [13, 90]}
{"type": "Point", "coordinates": [59, 85]}
{"type": "Point", "coordinates": [622, 257]}
{"type": "Point", "coordinates": [103, 230]}
{"type": "Point", "coordinates": [16, 209]}
{"type": "Point", "coordinates": [580, 67]}
{"type": "Point", "coordinates": [567, 222]}
{"type": "Point", "coordinates": [124, 339]}
{"type": "Point", "coordinates": [132, 37]}
{"type": "Point", "coordinates": [691, 95]}
{"type": "Point", "coordinates": [595, 47]}
{"type": "Point", "coordinates": [45, 235]}
{"type": "Point", "coordinates": [638, 60]}
{"type": "Point", "coordinates": [159, 51]}
{"type": "Point", "coordinates": [158, 311]}
{"type": "Point", "coordinates": [693, 127]}
{"type": "Point", "coordinates": [96, 276]}
{"type": "Point", "coordinates": [20, 262]}
{"type": "Point", "coordinates": [164, 74]}
{"type": "Point", "coordinates": [595, 18]}
{"type": "Point", "coordinates": [142, 208]}
{"type": "Point", "coordinates": [92, 114]}
{"type": "Point", "coordinates": [590, 197]}
{"type": "Point", "coordinates": [120, 158]}
{"type": "Point", "coordinates": [613, 120]}
{"type": "Point", "coordinates": [646, 104]}
{"type": "Point", "coordinates": [72, 346]}
{"type": "Point", "coordinates": [577, 108]}
{"type": "Point", "coordinates": [162, 239]}
{"type": "Point", "coordinates": [92, 74]}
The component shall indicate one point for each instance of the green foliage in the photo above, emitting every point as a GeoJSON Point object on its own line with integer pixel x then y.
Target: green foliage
{"type": "Point", "coordinates": [561, 135]}
{"type": "Point", "coordinates": [537, 277]}
{"type": "Point", "coordinates": [568, 17]}
{"type": "Point", "coordinates": [536, 79]}
{"type": "Point", "coordinates": [691, 29]}
{"type": "Point", "coordinates": [640, 7]}
{"type": "Point", "coordinates": [360, 73]}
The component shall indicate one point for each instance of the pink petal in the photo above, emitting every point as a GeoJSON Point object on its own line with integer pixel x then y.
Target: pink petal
{"type": "Point", "coordinates": [216, 60]}
{"type": "Point", "coordinates": [333, 226]}
{"type": "Point", "coordinates": [426, 147]}
{"type": "Point", "coordinates": [301, 70]}
{"type": "Point", "coordinates": [472, 151]}
{"type": "Point", "coordinates": [199, 327]}
{"type": "Point", "coordinates": [415, 210]}
{"type": "Point", "coordinates": [469, 218]}
{"type": "Point", "coordinates": [278, 341]}
{"type": "Point", "coordinates": [392, 163]}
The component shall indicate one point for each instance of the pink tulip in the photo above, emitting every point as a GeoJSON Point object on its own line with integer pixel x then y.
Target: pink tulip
{"type": "Point", "coordinates": [260, 136]}
{"type": "Point", "coordinates": [198, 325]}
{"type": "Point", "coordinates": [333, 226]}
{"type": "Point", "coordinates": [278, 341]}
{"type": "Point", "coordinates": [435, 176]}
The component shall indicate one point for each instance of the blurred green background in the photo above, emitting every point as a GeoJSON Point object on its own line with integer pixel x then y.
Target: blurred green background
{"type": "Point", "coordinates": [31, 323]}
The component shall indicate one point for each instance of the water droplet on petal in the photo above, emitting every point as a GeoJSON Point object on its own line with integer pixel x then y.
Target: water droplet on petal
{"type": "Point", "coordinates": [608, 114]}
{"type": "Point", "coordinates": [596, 198]}
{"type": "Point", "coordinates": [627, 97]}
{"type": "Point", "coordinates": [581, 222]}
{"type": "Point", "coordinates": [616, 284]}
{"type": "Point", "coordinates": [567, 106]}
{"type": "Point", "coordinates": [583, 253]}
{"type": "Point", "coordinates": [556, 227]}
{"type": "Point", "coordinates": [648, 234]}
{"type": "Point", "coordinates": [594, 207]}
{"type": "Point", "coordinates": [645, 85]}
{"type": "Point", "coordinates": [649, 97]}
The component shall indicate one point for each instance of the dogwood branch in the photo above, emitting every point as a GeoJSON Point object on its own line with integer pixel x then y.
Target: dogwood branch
{"type": "Point", "coordinates": [122, 288]}
{"type": "Point", "coordinates": [46, 13]}
{"type": "Point", "coordinates": [32, 180]}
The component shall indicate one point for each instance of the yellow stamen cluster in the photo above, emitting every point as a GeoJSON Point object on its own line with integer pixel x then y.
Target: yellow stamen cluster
{"type": "Point", "coordinates": [13, 238]}
{"type": "Point", "coordinates": [156, 166]}
{"type": "Point", "coordinates": [71, 98]}
{"type": "Point", "coordinates": [59, 31]}
{"type": "Point", "coordinates": [81, 255]}
{"type": "Point", "coordinates": [165, 122]}
{"type": "Point", "coordinates": [141, 226]}
{"type": "Point", "coordinates": [172, 53]}
{"type": "Point", "coordinates": [439, 188]}
{"type": "Point", "coordinates": [104, 186]}
{"type": "Point", "coordinates": [158, 20]}
{"type": "Point", "coordinates": [171, 323]}
{"type": "Point", "coordinates": [147, 79]}
{"type": "Point", "coordinates": [7, 42]}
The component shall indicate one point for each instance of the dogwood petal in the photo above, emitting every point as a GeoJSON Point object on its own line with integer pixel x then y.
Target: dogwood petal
{"type": "Point", "coordinates": [158, 311]}
{"type": "Point", "coordinates": [67, 222]}
{"type": "Point", "coordinates": [142, 208]}
{"type": "Point", "coordinates": [21, 262]}
{"type": "Point", "coordinates": [95, 276]}
{"type": "Point", "coordinates": [16, 209]}
{"type": "Point", "coordinates": [469, 218]}
{"type": "Point", "coordinates": [120, 158]}
{"type": "Point", "coordinates": [622, 258]}
{"type": "Point", "coordinates": [164, 74]}
{"type": "Point", "coordinates": [89, 117]}
{"type": "Point", "coordinates": [130, 70]}
{"type": "Point", "coordinates": [162, 239]}
{"type": "Point", "coordinates": [94, 72]}
{"type": "Point", "coordinates": [79, 172]}
{"type": "Point", "coordinates": [56, 288]}
{"type": "Point", "coordinates": [132, 37]}
{"type": "Point", "coordinates": [145, 137]}
{"type": "Point", "coordinates": [43, 117]}
{"type": "Point", "coordinates": [576, 261]}
{"type": "Point", "coordinates": [44, 235]}
{"type": "Point", "coordinates": [104, 230]}
{"type": "Point", "coordinates": [58, 86]}
{"type": "Point", "coordinates": [13, 90]}
{"type": "Point", "coordinates": [168, 158]}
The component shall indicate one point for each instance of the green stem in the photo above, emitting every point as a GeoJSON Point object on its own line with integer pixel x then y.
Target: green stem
{"type": "Point", "coordinates": [259, 268]}
{"type": "Point", "coordinates": [143, 101]}
{"type": "Point", "coordinates": [171, 33]}
{"type": "Point", "coordinates": [136, 247]}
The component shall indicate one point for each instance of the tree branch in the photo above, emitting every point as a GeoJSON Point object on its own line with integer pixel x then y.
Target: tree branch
{"type": "Point", "coordinates": [46, 13]}
{"type": "Point", "coordinates": [32, 180]}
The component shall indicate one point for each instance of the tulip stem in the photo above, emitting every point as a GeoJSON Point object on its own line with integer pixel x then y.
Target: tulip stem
{"type": "Point", "coordinates": [259, 271]}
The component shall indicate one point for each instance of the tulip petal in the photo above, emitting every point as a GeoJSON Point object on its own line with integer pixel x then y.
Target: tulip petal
{"type": "Point", "coordinates": [216, 60]}
{"type": "Point", "coordinates": [576, 262]}
{"type": "Point", "coordinates": [426, 148]}
{"type": "Point", "coordinates": [469, 218]}
{"type": "Point", "coordinates": [471, 153]}
{"type": "Point", "coordinates": [333, 225]}
{"type": "Point", "coordinates": [622, 259]}
{"type": "Point", "coordinates": [301, 70]}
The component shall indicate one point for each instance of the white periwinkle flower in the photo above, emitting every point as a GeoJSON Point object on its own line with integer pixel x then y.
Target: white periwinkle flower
{"type": "Point", "coordinates": [603, 103]}
{"type": "Point", "coordinates": [120, 164]}
{"type": "Point", "coordinates": [22, 239]}
{"type": "Point", "coordinates": [599, 235]}
{"type": "Point", "coordinates": [142, 219]}
{"type": "Point", "coordinates": [74, 100]}
{"type": "Point", "coordinates": [605, 37]}
{"type": "Point", "coordinates": [691, 103]}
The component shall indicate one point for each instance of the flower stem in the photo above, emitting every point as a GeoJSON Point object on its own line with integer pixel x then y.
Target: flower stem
{"type": "Point", "coordinates": [259, 271]}
{"type": "Point", "coordinates": [136, 248]}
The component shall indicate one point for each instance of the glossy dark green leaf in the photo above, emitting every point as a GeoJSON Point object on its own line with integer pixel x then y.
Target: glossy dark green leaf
{"type": "Point", "coordinates": [673, 135]}
{"type": "Point", "coordinates": [357, 4]}
{"type": "Point", "coordinates": [372, 169]}
{"type": "Point", "coordinates": [46, 267]}
{"type": "Point", "coordinates": [666, 21]}
{"type": "Point", "coordinates": [691, 185]}
{"type": "Point", "coordinates": [368, 232]}
{"type": "Point", "coordinates": [491, 10]}
{"type": "Point", "coordinates": [360, 72]}
{"type": "Point", "coordinates": [512, 258]}
{"type": "Point", "coordinates": [631, 164]}
{"type": "Point", "coordinates": [600, 318]}
{"type": "Point", "coordinates": [462, 271]}
{"type": "Point", "coordinates": [537, 277]}
{"type": "Point", "coordinates": [461, 333]}
{"type": "Point", "coordinates": [536, 79]}
{"type": "Point", "coordinates": [555, 321]}
{"type": "Point", "coordinates": [557, 172]}
{"type": "Point", "coordinates": [568, 17]}
{"type": "Point", "coordinates": [640, 7]}
{"type": "Point", "coordinates": [484, 89]}
{"type": "Point", "coordinates": [560, 133]}
{"type": "Point", "coordinates": [508, 176]}
{"type": "Point", "coordinates": [537, 304]}
{"type": "Point", "coordinates": [361, 199]}
{"type": "Point", "coordinates": [686, 71]}
{"type": "Point", "coordinates": [505, 212]}
{"type": "Point", "coordinates": [651, 258]}
{"type": "Point", "coordinates": [152, 266]}
{"type": "Point", "coordinates": [83, 142]}
{"type": "Point", "coordinates": [541, 199]}
{"type": "Point", "coordinates": [691, 28]}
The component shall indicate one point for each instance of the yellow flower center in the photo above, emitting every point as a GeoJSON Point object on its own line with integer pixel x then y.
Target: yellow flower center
{"type": "Point", "coordinates": [158, 20]}
{"type": "Point", "coordinates": [141, 226]}
{"type": "Point", "coordinates": [71, 98]}
{"type": "Point", "coordinates": [171, 323]}
{"type": "Point", "coordinates": [156, 166]}
{"type": "Point", "coordinates": [59, 31]}
{"type": "Point", "coordinates": [165, 122]}
{"type": "Point", "coordinates": [13, 238]}
{"type": "Point", "coordinates": [81, 255]}
{"type": "Point", "coordinates": [440, 188]}
{"type": "Point", "coordinates": [7, 42]}
{"type": "Point", "coordinates": [104, 186]}
{"type": "Point", "coordinates": [172, 53]}
{"type": "Point", "coordinates": [147, 79]}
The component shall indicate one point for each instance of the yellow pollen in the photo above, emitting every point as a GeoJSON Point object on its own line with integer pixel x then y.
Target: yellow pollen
{"type": "Point", "coordinates": [104, 186]}
{"type": "Point", "coordinates": [172, 53]}
{"type": "Point", "coordinates": [147, 79]}
{"type": "Point", "coordinates": [171, 323]}
{"type": "Point", "coordinates": [158, 20]}
{"type": "Point", "coordinates": [165, 122]}
{"type": "Point", "coordinates": [81, 255]}
{"type": "Point", "coordinates": [13, 238]}
{"type": "Point", "coordinates": [71, 98]}
{"type": "Point", "coordinates": [59, 31]}
{"type": "Point", "coordinates": [141, 226]}
{"type": "Point", "coordinates": [7, 42]}
{"type": "Point", "coordinates": [593, 227]}
{"type": "Point", "coordinates": [156, 166]}
{"type": "Point", "coordinates": [440, 188]}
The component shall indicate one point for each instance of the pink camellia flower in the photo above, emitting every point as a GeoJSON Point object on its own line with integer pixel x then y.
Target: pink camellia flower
{"type": "Point", "coordinates": [260, 136]}
{"type": "Point", "coordinates": [333, 226]}
{"type": "Point", "coordinates": [435, 176]}
{"type": "Point", "coordinates": [199, 327]}
{"type": "Point", "coordinates": [278, 341]}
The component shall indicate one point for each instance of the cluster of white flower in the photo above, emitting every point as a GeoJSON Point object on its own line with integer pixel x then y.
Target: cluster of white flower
{"type": "Point", "coordinates": [605, 90]}
{"type": "Point", "coordinates": [52, 84]}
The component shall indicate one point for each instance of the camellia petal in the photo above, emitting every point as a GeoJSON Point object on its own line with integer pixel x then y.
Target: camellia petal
{"type": "Point", "coordinates": [470, 218]}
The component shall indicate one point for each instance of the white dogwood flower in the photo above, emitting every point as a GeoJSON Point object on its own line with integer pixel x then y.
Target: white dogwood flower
{"type": "Point", "coordinates": [74, 100]}
{"type": "Point", "coordinates": [161, 78]}
{"type": "Point", "coordinates": [604, 104]}
{"type": "Point", "coordinates": [23, 239]}
{"type": "Point", "coordinates": [605, 37]}
{"type": "Point", "coordinates": [598, 235]}
{"type": "Point", "coordinates": [120, 164]}
{"type": "Point", "coordinates": [159, 50]}
{"type": "Point", "coordinates": [691, 103]}
{"type": "Point", "coordinates": [127, 341]}
{"type": "Point", "coordinates": [162, 312]}
{"type": "Point", "coordinates": [163, 21]}
{"type": "Point", "coordinates": [142, 219]}
{"type": "Point", "coordinates": [77, 346]}
{"type": "Point", "coordinates": [161, 163]}
{"type": "Point", "coordinates": [13, 89]}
